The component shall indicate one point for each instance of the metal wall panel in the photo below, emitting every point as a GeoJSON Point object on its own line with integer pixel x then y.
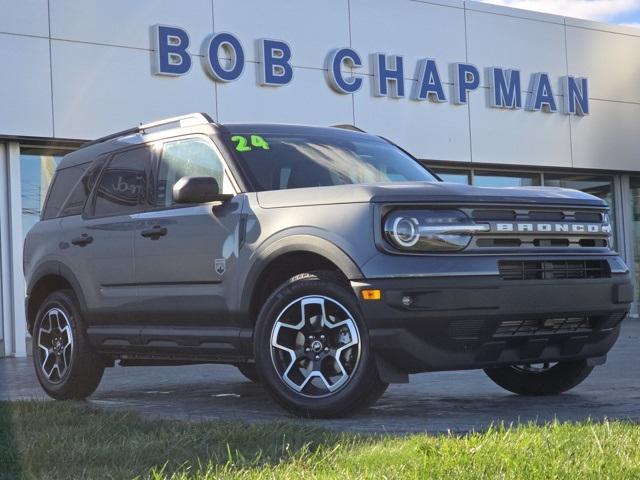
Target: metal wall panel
{"type": "Point", "coordinates": [25, 92]}
{"type": "Point", "coordinates": [306, 100]}
{"type": "Point", "coordinates": [608, 138]}
{"type": "Point", "coordinates": [610, 60]}
{"type": "Point", "coordinates": [24, 17]}
{"type": "Point", "coordinates": [127, 23]}
{"type": "Point", "coordinates": [100, 89]}
{"type": "Point", "coordinates": [509, 42]}
{"type": "Point", "coordinates": [111, 86]}
{"type": "Point", "coordinates": [312, 29]}
{"type": "Point", "coordinates": [413, 29]}
{"type": "Point", "coordinates": [519, 137]}
{"type": "Point", "coordinates": [428, 130]}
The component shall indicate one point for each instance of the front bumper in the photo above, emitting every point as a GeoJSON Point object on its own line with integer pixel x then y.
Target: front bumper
{"type": "Point", "coordinates": [467, 322]}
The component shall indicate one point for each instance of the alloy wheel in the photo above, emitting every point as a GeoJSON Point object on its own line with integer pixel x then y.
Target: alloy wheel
{"type": "Point", "coordinates": [535, 367]}
{"type": "Point", "coordinates": [55, 344]}
{"type": "Point", "coordinates": [315, 346]}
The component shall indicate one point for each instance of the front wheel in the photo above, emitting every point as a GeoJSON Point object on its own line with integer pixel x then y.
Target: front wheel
{"type": "Point", "coordinates": [312, 348]}
{"type": "Point", "coordinates": [65, 366]}
{"type": "Point", "coordinates": [248, 371]}
{"type": "Point", "coordinates": [540, 379]}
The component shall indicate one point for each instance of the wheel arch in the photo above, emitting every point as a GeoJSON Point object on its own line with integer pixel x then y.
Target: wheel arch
{"type": "Point", "coordinates": [50, 277]}
{"type": "Point", "coordinates": [288, 257]}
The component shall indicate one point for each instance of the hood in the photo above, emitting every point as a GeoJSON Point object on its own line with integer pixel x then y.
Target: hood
{"type": "Point", "coordinates": [419, 192]}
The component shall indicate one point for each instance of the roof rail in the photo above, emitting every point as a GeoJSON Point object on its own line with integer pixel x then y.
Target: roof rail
{"type": "Point", "coordinates": [182, 121]}
{"type": "Point", "coordinates": [346, 126]}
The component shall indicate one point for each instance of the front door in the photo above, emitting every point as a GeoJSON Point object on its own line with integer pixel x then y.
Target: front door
{"type": "Point", "coordinates": [185, 255]}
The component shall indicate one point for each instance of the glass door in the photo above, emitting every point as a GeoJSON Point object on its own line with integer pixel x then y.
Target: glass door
{"type": "Point", "coordinates": [635, 226]}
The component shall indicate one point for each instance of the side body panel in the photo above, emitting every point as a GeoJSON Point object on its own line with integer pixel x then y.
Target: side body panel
{"type": "Point", "coordinates": [184, 277]}
{"type": "Point", "coordinates": [104, 267]}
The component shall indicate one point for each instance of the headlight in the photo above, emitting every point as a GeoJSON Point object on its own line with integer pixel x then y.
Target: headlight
{"type": "Point", "coordinates": [430, 230]}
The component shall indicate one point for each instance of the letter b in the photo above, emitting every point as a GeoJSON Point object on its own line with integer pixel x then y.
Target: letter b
{"type": "Point", "coordinates": [274, 69]}
{"type": "Point", "coordinates": [170, 50]}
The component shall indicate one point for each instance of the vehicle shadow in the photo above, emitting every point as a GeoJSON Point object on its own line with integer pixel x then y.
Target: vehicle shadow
{"type": "Point", "coordinates": [456, 402]}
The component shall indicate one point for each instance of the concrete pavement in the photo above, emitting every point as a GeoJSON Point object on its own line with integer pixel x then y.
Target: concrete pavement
{"type": "Point", "coordinates": [432, 402]}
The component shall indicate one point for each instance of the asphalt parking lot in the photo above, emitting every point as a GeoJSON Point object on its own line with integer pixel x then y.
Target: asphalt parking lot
{"type": "Point", "coordinates": [432, 402]}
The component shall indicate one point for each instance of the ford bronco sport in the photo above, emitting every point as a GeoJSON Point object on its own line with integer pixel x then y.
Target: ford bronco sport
{"type": "Point", "coordinates": [324, 263]}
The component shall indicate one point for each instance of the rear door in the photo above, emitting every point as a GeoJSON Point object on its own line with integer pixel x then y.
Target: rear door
{"type": "Point", "coordinates": [185, 255]}
{"type": "Point", "coordinates": [100, 242]}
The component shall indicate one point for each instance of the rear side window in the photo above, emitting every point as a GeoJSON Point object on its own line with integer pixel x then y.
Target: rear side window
{"type": "Point", "coordinates": [123, 185]}
{"type": "Point", "coordinates": [65, 181]}
{"type": "Point", "coordinates": [74, 204]}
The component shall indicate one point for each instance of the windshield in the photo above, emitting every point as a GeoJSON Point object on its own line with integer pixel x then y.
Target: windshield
{"type": "Point", "coordinates": [277, 161]}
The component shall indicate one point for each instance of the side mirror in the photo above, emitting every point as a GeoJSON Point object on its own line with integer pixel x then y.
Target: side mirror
{"type": "Point", "coordinates": [198, 190]}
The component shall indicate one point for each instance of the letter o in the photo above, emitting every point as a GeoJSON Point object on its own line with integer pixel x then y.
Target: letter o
{"type": "Point", "coordinates": [212, 63]}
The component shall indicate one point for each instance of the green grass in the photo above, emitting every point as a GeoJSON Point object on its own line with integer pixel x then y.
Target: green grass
{"type": "Point", "coordinates": [47, 440]}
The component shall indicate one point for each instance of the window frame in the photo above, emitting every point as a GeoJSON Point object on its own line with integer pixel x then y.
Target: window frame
{"type": "Point", "coordinates": [89, 211]}
{"type": "Point", "coordinates": [157, 159]}
{"type": "Point", "coordinates": [89, 164]}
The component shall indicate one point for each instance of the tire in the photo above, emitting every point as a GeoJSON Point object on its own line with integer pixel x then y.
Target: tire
{"type": "Point", "coordinates": [334, 371]}
{"type": "Point", "coordinates": [553, 380]}
{"type": "Point", "coordinates": [248, 370]}
{"type": "Point", "coordinates": [65, 366]}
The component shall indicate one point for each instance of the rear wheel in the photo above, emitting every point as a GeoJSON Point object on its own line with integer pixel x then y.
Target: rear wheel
{"type": "Point", "coordinates": [541, 378]}
{"type": "Point", "coordinates": [312, 348]}
{"type": "Point", "coordinates": [65, 366]}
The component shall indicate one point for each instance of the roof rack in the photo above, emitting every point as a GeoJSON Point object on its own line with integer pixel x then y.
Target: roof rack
{"type": "Point", "coordinates": [182, 121]}
{"type": "Point", "coordinates": [346, 126]}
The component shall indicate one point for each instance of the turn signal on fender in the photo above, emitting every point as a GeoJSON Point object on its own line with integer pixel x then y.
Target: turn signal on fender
{"type": "Point", "coordinates": [371, 294]}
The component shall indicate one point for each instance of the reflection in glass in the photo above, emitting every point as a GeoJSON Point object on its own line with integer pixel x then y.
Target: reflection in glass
{"type": "Point", "coordinates": [600, 186]}
{"type": "Point", "coordinates": [505, 179]}
{"type": "Point", "coordinates": [635, 195]}
{"type": "Point", "coordinates": [37, 168]}
{"type": "Point", "coordinates": [450, 175]}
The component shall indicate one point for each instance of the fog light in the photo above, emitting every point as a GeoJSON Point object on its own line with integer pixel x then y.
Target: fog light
{"type": "Point", "coordinates": [407, 301]}
{"type": "Point", "coordinates": [371, 294]}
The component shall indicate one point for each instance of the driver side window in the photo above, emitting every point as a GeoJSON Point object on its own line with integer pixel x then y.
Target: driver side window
{"type": "Point", "coordinates": [193, 157]}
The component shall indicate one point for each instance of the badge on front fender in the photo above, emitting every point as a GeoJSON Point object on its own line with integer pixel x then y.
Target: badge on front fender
{"type": "Point", "coordinates": [220, 266]}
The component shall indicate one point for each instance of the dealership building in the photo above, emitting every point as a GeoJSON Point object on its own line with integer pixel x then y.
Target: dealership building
{"type": "Point", "coordinates": [483, 95]}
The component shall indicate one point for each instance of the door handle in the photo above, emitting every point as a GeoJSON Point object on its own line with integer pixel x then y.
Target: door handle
{"type": "Point", "coordinates": [83, 240]}
{"type": "Point", "coordinates": [154, 233]}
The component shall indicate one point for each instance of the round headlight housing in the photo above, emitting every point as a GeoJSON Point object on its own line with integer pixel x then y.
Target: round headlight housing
{"type": "Point", "coordinates": [430, 230]}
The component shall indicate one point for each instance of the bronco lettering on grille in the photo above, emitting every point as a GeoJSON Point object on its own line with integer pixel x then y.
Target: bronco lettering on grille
{"type": "Point", "coordinates": [553, 227]}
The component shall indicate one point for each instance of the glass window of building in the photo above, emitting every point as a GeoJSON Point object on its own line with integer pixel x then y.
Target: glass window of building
{"type": "Point", "coordinates": [452, 175]}
{"type": "Point", "coordinates": [635, 194]}
{"type": "Point", "coordinates": [600, 186]}
{"type": "Point", "coordinates": [488, 178]}
{"type": "Point", "coordinates": [37, 167]}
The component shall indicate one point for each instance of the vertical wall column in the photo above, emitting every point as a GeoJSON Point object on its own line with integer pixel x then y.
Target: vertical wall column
{"type": "Point", "coordinates": [18, 285]}
{"type": "Point", "coordinates": [12, 287]}
{"type": "Point", "coordinates": [624, 203]}
{"type": "Point", "coordinates": [5, 265]}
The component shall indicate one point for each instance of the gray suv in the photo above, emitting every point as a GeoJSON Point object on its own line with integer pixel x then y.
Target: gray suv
{"type": "Point", "coordinates": [324, 263]}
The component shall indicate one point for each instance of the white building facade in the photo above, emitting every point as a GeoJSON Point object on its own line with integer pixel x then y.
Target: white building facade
{"type": "Point", "coordinates": [482, 94]}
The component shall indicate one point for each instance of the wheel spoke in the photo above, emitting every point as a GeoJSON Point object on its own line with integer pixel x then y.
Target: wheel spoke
{"type": "Point", "coordinates": [313, 348]}
{"type": "Point", "coordinates": [55, 344]}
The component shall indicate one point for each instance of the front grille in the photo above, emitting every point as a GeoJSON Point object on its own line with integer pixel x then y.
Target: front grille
{"type": "Point", "coordinates": [477, 329]}
{"type": "Point", "coordinates": [539, 228]}
{"type": "Point", "coordinates": [536, 215]}
{"type": "Point", "coordinates": [553, 269]}
{"type": "Point", "coordinates": [516, 328]}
